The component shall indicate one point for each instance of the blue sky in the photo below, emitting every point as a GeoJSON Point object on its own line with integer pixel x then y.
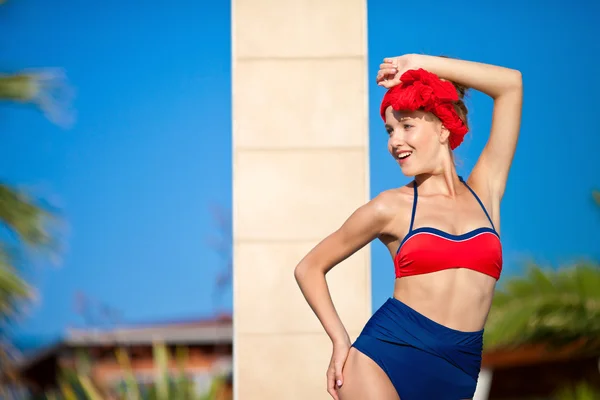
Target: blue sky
{"type": "Point", "coordinates": [151, 148]}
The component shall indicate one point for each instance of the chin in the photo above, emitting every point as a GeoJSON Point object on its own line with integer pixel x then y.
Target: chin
{"type": "Point", "coordinates": [408, 168]}
{"type": "Point", "coordinates": [412, 167]}
{"type": "Point", "coordinates": [407, 171]}
{"type": "Point", "coordinates": [412, 171]}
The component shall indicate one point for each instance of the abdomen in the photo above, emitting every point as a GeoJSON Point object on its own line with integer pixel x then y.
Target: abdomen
{"type": "Point", "coordinates": [456, 298]}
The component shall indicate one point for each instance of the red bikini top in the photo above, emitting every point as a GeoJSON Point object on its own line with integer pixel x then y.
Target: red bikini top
{"type": "Point", "coordinates": [425, 250]}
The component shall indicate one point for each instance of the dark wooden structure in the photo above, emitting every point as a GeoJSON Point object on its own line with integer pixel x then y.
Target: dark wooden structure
{"type": "Point", "coordinates": [207, 343]}
{"type": "Point", "coordinates": [539, 371]}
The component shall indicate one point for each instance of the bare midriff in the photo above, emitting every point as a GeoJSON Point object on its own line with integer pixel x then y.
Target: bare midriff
{"type": "Point", "coordinates": [459, 299]}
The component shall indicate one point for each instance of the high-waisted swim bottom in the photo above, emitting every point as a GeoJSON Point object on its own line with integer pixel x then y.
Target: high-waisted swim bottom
{"type": "Point", "coordinates": [424, 359]}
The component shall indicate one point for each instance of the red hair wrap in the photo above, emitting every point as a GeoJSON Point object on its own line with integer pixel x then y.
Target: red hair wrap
{"type": "Point", "coordinates": [420, 89]}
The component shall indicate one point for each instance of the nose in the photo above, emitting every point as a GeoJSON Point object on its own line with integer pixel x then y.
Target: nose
{"type": "Point", "coordinates": [397, 138]}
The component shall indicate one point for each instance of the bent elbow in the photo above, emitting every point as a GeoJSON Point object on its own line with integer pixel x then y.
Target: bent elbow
{"type": "Point", "coordinates": [299, 272]}
{"type": "Point", "coordinates": [304, 271]}
{"type": "Point", "coordinates": [512, 86]}
{"type": "Point", "coordinates": [517, 80]}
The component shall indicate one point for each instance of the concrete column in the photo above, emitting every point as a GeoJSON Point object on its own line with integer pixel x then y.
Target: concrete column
{"type": "Point", "coordinates": [300, 168]}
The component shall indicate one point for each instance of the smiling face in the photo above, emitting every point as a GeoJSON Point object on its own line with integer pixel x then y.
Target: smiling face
{"type": "Point", "coordinates": [417, 140]}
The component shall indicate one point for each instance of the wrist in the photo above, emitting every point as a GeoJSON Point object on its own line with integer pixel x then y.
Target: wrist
{"type": "Point", "coordinates": [417, 61]}
{"type": "Point", "coordinates": [342, 340]}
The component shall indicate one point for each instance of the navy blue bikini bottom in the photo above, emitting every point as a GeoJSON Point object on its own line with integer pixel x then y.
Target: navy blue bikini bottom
{"type": "Point", "coordinates": [422, 358]}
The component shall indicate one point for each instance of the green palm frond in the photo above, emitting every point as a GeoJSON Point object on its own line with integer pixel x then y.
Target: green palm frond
{"type": "Point", "coordinates": [167, 384]}
{"type": "Point", "coordinates": [17, 87]}
{"type": "Point", "coordinates": [24, 217]}
{"type": "Point", "coordinates": [546, 305]}
{"type": "Point", "coordinates": [161, 363]}
{"type": "Point", "coordinates": [30, 225]}
{"type": "Point", "coordinates": [580, 391]}
{"type": "Point", "coordinates": [131, 387]}
{"type": "Point", "coordinates": [48, 89]}
{"type": "Point", "coordinates": [13, 289]}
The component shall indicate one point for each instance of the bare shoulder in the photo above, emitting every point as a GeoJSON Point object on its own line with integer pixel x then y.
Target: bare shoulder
{"type": "Point", "coordinates": [386, 202]}
{"type": "Point", "coordinates": [378, 218]}
{"type": "Point", "coordinates": [391, 206]}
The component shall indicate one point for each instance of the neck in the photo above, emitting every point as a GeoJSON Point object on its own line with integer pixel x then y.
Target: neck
{"type": "Point", "coordinates": [443, 180]}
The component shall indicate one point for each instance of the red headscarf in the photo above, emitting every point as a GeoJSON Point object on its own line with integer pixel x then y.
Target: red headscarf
{"type": "Point", "coordinates": [420, 89]}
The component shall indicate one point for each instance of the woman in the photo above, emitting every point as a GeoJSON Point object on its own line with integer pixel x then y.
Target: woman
{"type": "Point", "coordinates": [442, 232]}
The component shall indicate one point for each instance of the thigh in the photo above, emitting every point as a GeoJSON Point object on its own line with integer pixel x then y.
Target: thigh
{"type": "Point", "coordinates": [365, 380]}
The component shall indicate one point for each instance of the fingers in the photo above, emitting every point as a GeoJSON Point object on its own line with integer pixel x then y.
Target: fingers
{"type": "Point", "coordinates": [331, 387]}
{"type": "Point", "coordinates": [387, 76]}
{"type": "Point", "coordinates": [388, 66]}
{"type": "Point", "coordinates": [390, 83]}
{"type": "Point", "coordinates": [386, 73]}
{"type": "Point", "coordinates": [339, 380]}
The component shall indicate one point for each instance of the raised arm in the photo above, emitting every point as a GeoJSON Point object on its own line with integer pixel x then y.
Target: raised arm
{"type": "Point", "coordinates": [503, 85]}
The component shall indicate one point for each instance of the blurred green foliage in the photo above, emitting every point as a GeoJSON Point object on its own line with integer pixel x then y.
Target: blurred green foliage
{"type": "Point", "coordinates": [79, 384]}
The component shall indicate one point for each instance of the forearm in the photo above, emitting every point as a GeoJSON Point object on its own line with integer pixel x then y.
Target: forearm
{"type": "Point", "coordinates": [495, 81]}
{"type": "Point", "coordinates": [314, 287]}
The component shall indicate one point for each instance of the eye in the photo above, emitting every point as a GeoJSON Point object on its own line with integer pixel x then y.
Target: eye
{"type": "Point", "coordinates": [389, 131]}
{"type": "Point", "coordinates": [407, 126]}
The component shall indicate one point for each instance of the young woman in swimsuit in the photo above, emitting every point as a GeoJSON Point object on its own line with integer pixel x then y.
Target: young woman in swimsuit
{"type": "Point", "coordinates": [442, 232]}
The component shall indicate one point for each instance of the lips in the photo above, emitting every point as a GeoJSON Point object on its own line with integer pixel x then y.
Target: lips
{"type": "Point", "coordinates": [402, 156]}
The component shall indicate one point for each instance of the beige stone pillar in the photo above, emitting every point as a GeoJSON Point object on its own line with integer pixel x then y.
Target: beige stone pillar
{"type": "Point", "coordinates": [300, 168]}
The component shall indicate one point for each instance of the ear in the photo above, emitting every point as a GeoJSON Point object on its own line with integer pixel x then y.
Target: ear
{"type": "Point", "coordinates": [444, 134]}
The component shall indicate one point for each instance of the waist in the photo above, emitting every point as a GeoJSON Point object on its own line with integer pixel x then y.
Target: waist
{"type": "Point", "coordinates": [459, 299]}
